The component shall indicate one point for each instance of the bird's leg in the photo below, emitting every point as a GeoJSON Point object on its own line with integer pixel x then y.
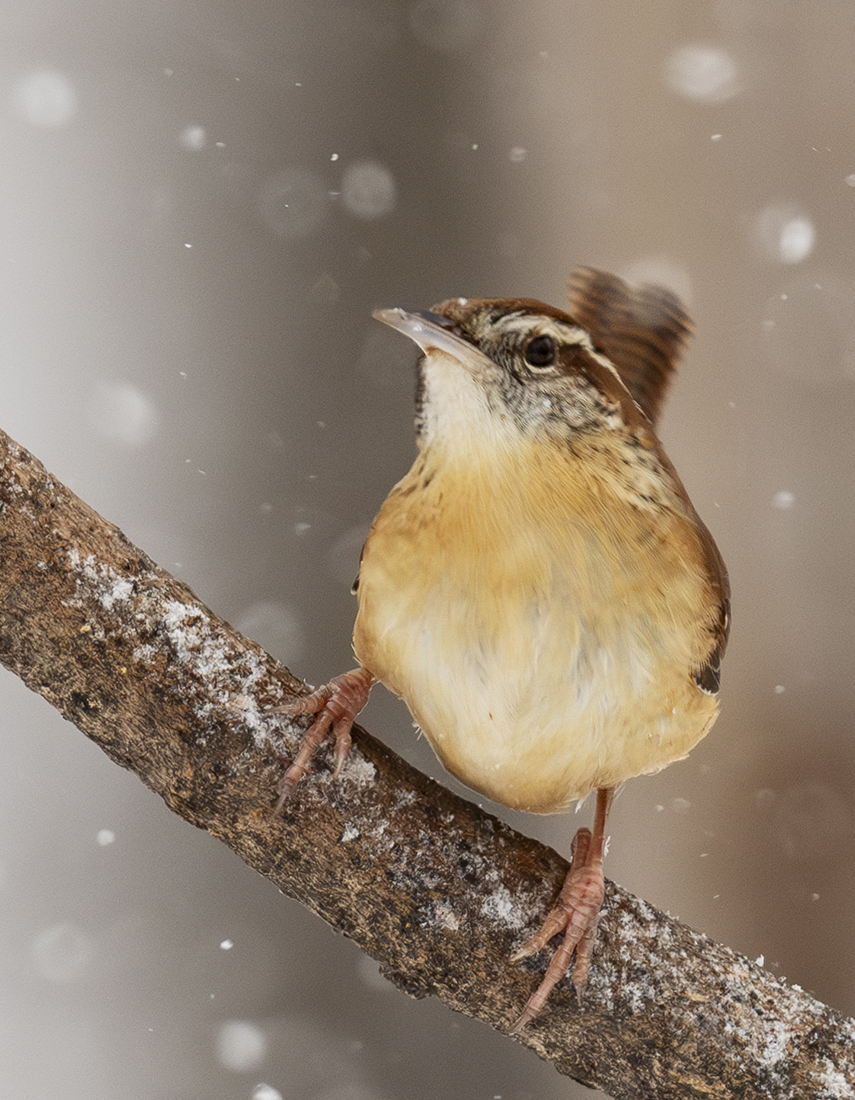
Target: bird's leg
{"type": "Point", "coordinates": [576, 914]}
{"type": "Point", "coordinates": [336, 705]}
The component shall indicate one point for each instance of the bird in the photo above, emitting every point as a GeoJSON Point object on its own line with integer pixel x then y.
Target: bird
{"type": "Point", "coordinates": [538, 588]}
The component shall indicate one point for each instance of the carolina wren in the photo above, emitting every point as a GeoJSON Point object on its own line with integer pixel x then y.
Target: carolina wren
{"type": "Point", "coordinates": [538, 588]}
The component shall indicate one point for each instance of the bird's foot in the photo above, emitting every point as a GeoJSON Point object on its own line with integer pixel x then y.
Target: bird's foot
{"type": "Point", "coordinates": [336, 705]}
{"type": "Point", "coordinates": [576, 914]}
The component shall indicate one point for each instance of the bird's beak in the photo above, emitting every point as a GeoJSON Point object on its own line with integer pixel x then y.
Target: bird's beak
{"type": "Point", "coordinates": [431, 331]}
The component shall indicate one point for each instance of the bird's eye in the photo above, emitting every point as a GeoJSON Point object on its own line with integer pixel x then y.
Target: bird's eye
{"type": "Point", "coordinates": [540, 352]}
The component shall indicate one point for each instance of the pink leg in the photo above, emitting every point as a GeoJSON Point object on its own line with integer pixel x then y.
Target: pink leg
{"type": "Point", "coordinates": [336, 705]}
{"type": "Point", "coordinates": [576, 914]}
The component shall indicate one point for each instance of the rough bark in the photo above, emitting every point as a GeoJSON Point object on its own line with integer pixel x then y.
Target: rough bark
{"type": "Point", "coordinates": [430, 885]}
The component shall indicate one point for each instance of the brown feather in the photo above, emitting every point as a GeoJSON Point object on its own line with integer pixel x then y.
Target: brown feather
{"type": "Point", "coordinates": [643, 331]}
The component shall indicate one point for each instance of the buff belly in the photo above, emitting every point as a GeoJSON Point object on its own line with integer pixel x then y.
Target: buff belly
{"type": "Point", "coordinates": [513, 645]}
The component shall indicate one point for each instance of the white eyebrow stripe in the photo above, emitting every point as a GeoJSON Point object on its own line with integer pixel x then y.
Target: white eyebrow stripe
{"type": "Point", "coordinates": [540, 325]}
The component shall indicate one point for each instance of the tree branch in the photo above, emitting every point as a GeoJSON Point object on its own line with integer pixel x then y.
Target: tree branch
{"type": "Point", "coordinates": [428, 884]}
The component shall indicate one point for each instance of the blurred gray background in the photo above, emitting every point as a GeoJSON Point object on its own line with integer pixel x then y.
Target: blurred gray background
{"type": "Point", "coordinates": [200, 204]}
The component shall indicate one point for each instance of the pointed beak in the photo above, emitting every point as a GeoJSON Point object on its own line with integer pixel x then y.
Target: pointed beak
{"type": "Point", "coordinates": [431, 331]}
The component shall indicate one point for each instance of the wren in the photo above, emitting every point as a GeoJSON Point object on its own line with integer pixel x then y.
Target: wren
{"type": "Point", "coordinates": [538, 588]}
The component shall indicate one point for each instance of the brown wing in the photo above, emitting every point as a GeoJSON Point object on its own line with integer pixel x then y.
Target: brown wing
{"type": "Point", "coordinates": [642, 331]}
{"type": "Point", "coordinates": [708, 677]}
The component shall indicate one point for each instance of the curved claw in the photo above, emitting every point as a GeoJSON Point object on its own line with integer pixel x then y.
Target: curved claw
{"type": "Point", "coordinates": [561, 917]}
{"type": "Point", "coordinates": [576, 914]}
{"type": "Point", "coordinates": [336, 705]}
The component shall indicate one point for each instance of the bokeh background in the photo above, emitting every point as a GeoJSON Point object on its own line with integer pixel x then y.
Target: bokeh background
{"type": "Point", "coordinates": [200, 204]}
